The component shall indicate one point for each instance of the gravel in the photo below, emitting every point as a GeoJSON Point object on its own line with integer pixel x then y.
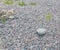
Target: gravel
{"type": "Point", "coordinates": [19, 33]}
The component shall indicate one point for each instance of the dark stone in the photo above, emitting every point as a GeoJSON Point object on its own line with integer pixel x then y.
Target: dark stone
{"type": "Point", "coordinates": [2, 26]}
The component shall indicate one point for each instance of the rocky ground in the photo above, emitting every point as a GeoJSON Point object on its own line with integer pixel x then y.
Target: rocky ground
{"type": "Point", "coordinates": [20, 33]}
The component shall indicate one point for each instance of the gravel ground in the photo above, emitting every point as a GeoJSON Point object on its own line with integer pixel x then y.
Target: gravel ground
{"type": "Point", "coordinates": [19, 33]}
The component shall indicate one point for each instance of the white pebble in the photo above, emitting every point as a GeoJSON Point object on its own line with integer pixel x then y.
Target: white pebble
{"type": "Point", "coordinates": [11, 17]}
{"type": "Point", "coordinates": [41, 31]}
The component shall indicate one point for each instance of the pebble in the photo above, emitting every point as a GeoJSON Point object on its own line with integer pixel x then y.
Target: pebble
{"type": "Point", "coordinates": [2, 26]}
{"type": "Point", "coordinates": [41, 31]}
{"type": "Point", "coordinates": [11, 17]}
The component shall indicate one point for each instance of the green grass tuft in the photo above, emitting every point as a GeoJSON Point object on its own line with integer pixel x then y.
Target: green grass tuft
{"type": "Point", "coordinates": [21, 3]}
{"type": "Point", "coordinates": [33, 3]}
{"type": "Point", "coordinates": [48, 16]}
{"type": "Point", "coordinates": [8, 2]}
{"type": "Point", "coordinates": [3, 19]}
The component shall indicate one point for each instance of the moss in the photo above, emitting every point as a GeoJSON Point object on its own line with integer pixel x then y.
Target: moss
{"type": "Point", "coordinates": [21, 3]}
{"type": "Point", "coordinates": [32, 3]}
{"type": "Point", "coordinates": [8, 2]}
{"type": "Point", "coordinates": [48, 16]}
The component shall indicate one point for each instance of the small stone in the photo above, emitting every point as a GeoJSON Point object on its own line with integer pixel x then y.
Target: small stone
{"type": "Point", "coordinates": [11, 17]}
{"type": "Point", "coordinates": [10, 12]}
{"type": "Point", "coordinates": [2, 26]}
{"type": "Point", "coordinates": [41, 31]}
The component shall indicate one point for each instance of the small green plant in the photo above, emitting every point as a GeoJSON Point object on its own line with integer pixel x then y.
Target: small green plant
{"type": "Point", "coordinates": [8, 2]}
{"type": "Point", "coordinates": [32, 3]}
{"type": "Point", "coordinates": [48, 16]}
{"type": "Point", "coordinates": [21, 3]}
{"type": "Point", "coordinates": [3, 19]}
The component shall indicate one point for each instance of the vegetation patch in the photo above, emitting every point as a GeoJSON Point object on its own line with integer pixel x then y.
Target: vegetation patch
{"type": "Point", "coordinates": [32, 3]}
{"type": "Point", "coordinates": [21, 3]}
{"type": "Point", "coordinates": [48, 16]}
{"type": "Point", "coordinates": [8, 2]}
{"type": "Point", "coordinates": [3, 19]}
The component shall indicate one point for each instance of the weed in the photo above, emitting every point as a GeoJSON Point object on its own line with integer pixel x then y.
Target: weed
{"type": "Point", "coordinates": [21, 3]}
{"type": "Point", "coordinates": [48, 16]}
{"type": "Point", "coordinates": [3, 19]}
{"type": "Point", "coordinates": [8, 2]}
{"type": "Point", "coordinates": [33, 3]}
